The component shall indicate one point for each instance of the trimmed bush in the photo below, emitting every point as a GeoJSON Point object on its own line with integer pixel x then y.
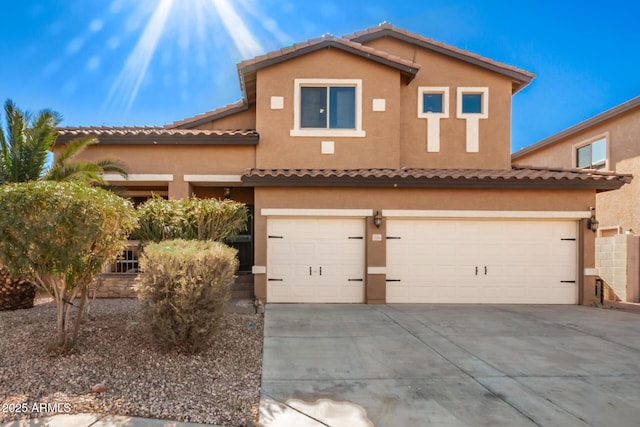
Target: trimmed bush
{"type": "Point", "coordinates": [185, 288]}
{"type": "Point", "coordinates": [58, 235]}
{"type": "Point", "coordinates": [192, 218]}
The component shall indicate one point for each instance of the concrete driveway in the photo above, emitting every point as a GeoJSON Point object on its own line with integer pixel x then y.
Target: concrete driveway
{"type": "Point", "coordinates": [450, 365]}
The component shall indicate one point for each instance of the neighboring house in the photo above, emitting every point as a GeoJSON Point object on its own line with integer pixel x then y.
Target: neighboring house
{"type": "Point", "coordinates": [378, 168]}
{"type": "Point", "coordinates": [607, 142]}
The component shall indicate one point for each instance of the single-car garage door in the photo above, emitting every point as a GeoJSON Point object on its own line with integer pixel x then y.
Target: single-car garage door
{"type": "Point", "coordinates": [474, 261]}
{"type": "Point", "coordinates": [315, 260]}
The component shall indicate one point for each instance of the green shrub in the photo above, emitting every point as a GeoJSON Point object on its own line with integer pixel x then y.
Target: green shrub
{"type": "Point", "coordinates": [185, 288]}
{"type": "Point", "coordinates": [58, 235]}
{"type": "Point", "coordinates": [192, 218]}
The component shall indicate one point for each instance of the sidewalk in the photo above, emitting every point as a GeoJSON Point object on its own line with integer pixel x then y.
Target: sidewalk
{"type": "Point", "coordinates": [96, 420]}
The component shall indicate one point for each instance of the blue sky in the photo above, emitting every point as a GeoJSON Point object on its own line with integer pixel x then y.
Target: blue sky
{"type": "Point", "coordinates": [152, 62]}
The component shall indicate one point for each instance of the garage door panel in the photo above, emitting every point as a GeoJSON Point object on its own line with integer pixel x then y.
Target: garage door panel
{"type": "Point", "coordinates": [524, 260]}
{"type": "Point", "coordinates": [322, 245]}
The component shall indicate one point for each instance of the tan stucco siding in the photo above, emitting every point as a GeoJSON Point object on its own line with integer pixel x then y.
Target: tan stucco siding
{"type": "Point", "coordinates": [621, 208]}
{"type": "Point", "coordinates": [245, 119]}
{"type": "Point", "coordinates": [278, 149]}
{"type": "Point", "coordinates": [438, 70]}
{"type": "Point", "coordinates": [177, 159]}
{"type": "Point", "coordinates": [615, 208]}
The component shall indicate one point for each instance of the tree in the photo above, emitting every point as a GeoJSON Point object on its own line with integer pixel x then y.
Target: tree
{"type": "Point", "coordinates": [59, 235]}
{"type": "Point", "coordinates": [27, 141]}
{"type": "Point", "coordinates": [24, 148]}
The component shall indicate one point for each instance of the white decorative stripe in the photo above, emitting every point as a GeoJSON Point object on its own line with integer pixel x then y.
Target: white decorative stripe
{"type": "Point", "coordinates": [473, 214]}
{"type": "Point", "coordinates": [376, 270]}
{"type": "Point", "coordinates": [213, 178]}
{"type": "Point", "coordinates": [259, 269]}
{"type": "Point", "coordinates": [138, 177]}
{"type": "Point", "coordinates": [591, 272]}
{"type": "Point", "coordinates": [318, 212]}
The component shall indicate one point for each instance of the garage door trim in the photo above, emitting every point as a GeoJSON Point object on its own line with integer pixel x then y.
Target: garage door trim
{"type": "Point", "coordinates": [474, 214]}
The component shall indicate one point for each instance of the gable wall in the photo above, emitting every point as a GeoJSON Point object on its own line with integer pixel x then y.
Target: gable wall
{"type": "Point", "coordinates": [440, 70]}
{"type": "Point", "coordinates": [241, 120]}
{"type": "Point", "coordinates": [278, 149]}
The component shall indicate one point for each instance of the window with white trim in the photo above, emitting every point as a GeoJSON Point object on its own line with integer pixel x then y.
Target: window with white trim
{"type": "Point", "coordinates": [472, 105]}
{"type": "Point", "coordinates": [433, 105]}
{"type": "Point", "coordinates": [329, 107]}
{"type": "Point", "coordinates": [592, 155]}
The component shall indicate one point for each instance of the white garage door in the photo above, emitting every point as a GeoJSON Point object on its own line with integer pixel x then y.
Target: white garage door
{"type": "Point", "coordinates": [492, 261]}
{"type": "Point", "coordinates": [315, 260]}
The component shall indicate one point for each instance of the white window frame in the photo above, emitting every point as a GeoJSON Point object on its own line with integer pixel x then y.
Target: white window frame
{"type": "Point", "coordinates": [473, 119]}
{"type": "Point", "coordinates": [433, 119]}
{"type": "Point", "coordinates": [584, 143]}
{"type": "Point", "coordinates": [322, 132]}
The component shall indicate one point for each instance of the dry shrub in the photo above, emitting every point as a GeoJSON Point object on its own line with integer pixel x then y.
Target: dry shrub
{"type": "Point", "coordinates": [185, 288]}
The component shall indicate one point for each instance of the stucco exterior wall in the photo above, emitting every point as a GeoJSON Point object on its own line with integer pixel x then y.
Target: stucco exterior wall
{"type": "Point", "coordinates": [278, 149]}
{"type": "Point", "coordinates": [619, 208]}
{"type": "Point", "coordinates": [442, 71]}
{"type": "Point", "coordinates": [178, 160]}
{"type": "Point", "coordinates": [242, 120]}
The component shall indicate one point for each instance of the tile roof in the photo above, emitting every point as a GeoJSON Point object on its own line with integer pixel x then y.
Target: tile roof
{"type": "Point", "coordinates": [312, 45]}
{"type": "Point", "coordinates": [523, 77]}
{"type": "Point", "coordinates": [158, 135]}
{"type": "Point", "coordinates": [599, 118]}
{"type": "Point", "coordinates": [517, 177]}
{"type": "Point", "coordinates": [247, 70]}
{"type": "Point", "coordinates": [208, 116]}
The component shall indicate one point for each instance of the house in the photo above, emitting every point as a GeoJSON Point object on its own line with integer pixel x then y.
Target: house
{"type": "Point", "coordinates": [378, 169]}
{"type": "Point", "coordinates": [607, 142]}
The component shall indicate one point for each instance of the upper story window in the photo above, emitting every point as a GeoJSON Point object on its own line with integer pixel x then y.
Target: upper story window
{"type": "Point", "coordinates": [328, 107]}
{"type": "Point", "coordinates": [592, 155]}
{"type": "Point", "coordinates": [472, 103]}
{"type": "Point", "coordinates": [332, 107]}
{"type": "Point", "coordinates": [433, 105]}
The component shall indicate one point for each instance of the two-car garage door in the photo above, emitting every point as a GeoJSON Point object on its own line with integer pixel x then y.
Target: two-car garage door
{"type": "Point", "coordinates": [471, 261]}
{"type": "Point", "coordinates": [428, 261]}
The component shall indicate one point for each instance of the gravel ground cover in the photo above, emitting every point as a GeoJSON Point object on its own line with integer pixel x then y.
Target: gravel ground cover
{"type": "Point", "coordinates": [218, 386]}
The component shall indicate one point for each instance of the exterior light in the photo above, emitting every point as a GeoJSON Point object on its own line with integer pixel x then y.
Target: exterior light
{"type": "Point", "coordinates": [377, 219]}
{"type": "Point", "coordinates": [227, 192]}
{"type": "Point", "coordinates": [593, 222]}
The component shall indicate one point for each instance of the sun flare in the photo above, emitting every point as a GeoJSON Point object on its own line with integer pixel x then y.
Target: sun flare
{"type": "Point", "coordinates": [201, 30]}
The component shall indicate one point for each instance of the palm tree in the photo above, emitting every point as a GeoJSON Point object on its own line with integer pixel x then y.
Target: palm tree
{"type": "Point", "coordinates": [24, 149]}
{"type": "Point", "coordinates": [29, 139]}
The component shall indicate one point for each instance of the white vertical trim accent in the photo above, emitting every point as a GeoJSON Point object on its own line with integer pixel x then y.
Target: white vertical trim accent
{"type": "Point", "coordinates": [433, 134]}
{"type": "Point", "coordinates": [473, 137]}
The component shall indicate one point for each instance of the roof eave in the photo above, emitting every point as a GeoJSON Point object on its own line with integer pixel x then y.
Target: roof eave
{"type": "Point", "coordinates": [520, 79]}
{"type": "Point", "coordinates": [411, 182]}
{"type": "Point", "coordinates": [166, 139]}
